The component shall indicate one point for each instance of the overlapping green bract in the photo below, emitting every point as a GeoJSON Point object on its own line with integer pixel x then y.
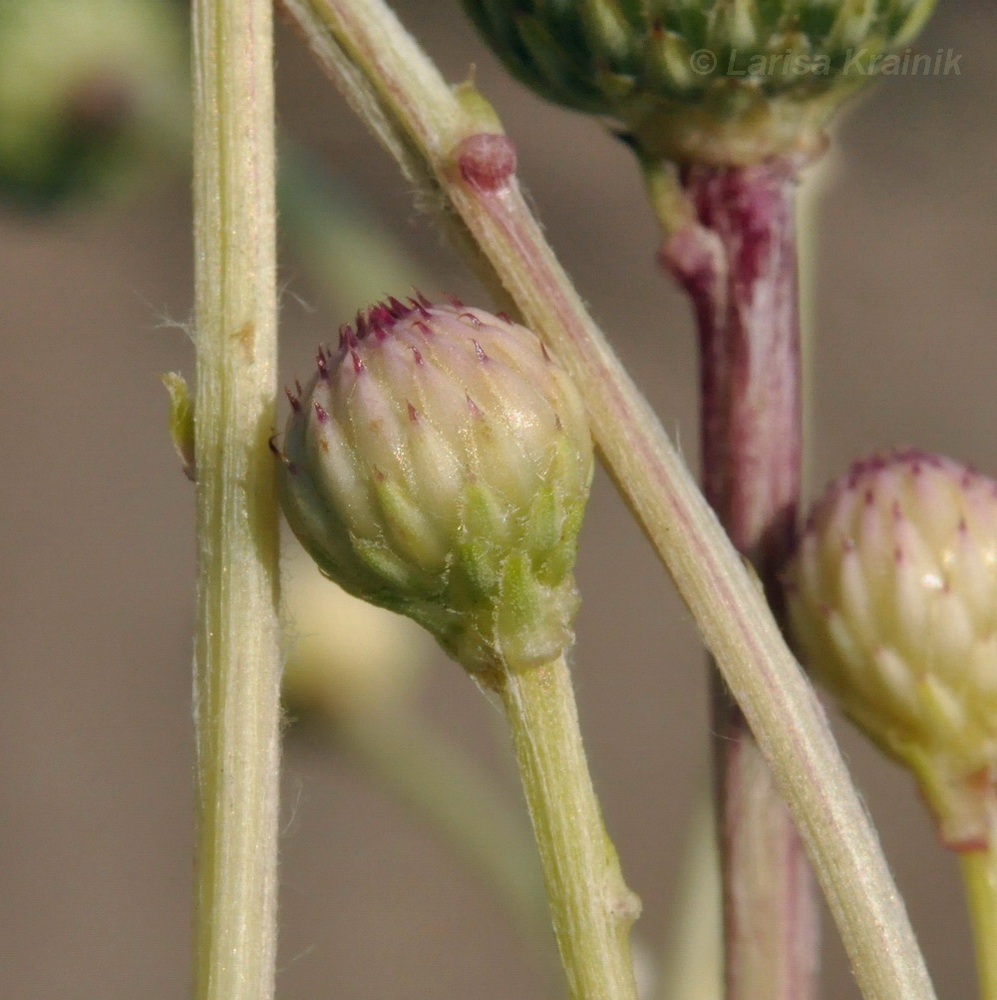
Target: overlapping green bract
{"type": "Point", "coordinates": [749, 66]}
{"type": "Point", "coordinates": [438, 464]}
{"type": "Point", "coordinates": [893, 602]}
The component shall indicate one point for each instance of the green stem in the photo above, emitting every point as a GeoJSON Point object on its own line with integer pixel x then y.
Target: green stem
{"type": "Point", "coordinates": [591, 907]}
{"type": "Point", "coordinates": [237, 656]}
{"type": "Point", "coordinates": [431, 775]}
{"type": "Point", "coordinates": [451, 147]}
{"type": "Point", "coordinates": [979, 872]}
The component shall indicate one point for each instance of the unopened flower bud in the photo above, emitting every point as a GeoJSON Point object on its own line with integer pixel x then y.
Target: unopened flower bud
{"type": "Point", "coordinates": [892, 598]}
{"type": "Point", "coordinates": [714, 81]}
{"type": "Point", "coordinates": [438, 464]}
{"type": "Point", "coordinates": [93, 94]}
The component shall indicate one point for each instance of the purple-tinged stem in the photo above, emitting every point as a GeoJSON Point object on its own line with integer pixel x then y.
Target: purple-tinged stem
{"type": "Point", "coordinates": [737, 261]}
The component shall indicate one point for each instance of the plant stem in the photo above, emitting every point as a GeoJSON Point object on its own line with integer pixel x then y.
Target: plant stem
{"type": "Point", "coordinates": [979, 872]}
{"type": "Point", "coordinates": [591, 907]}
{"type": "Point", "coordinates": [456, 798]}
{"type": "Point", "coordinates": [443, 142]}
{"type": "Point", "coordinates": [737, 260]}
{"type": "Point", "coordinates": [237, 658]}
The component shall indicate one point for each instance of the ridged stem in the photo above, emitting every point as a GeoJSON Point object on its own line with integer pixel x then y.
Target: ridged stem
{"type": "Point", "coordinates": [591, 907]}
{"type": "Point", "coordinates": [736, 258]}
{"type": "Point", "coordinates": [979, 872]}
{"type": "Point", "coordinates": [237, 664]}
{"type": "Point", "coordinates": [451, 148]}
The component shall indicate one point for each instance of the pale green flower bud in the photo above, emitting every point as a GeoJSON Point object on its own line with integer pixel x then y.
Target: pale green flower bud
{"type": "Point", "coordinates": [892, 599]}
{"type": "Point", "coordinates": [715, 81]}
{"type": "Point", "coordinates": [93, 95]}
{"type": "Point", "coordinates": [438, 464]}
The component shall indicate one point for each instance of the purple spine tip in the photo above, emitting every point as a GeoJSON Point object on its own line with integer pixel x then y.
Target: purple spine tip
{"type": "Point", "coordinates": [417, 357]}
{"type": "Point", "coordinates": [454, 301]}
{"type": "Point", "coordinates": [357, 362]}
{"type": "Point", "coordinates": [380, 315]}
{"type": "Point", "coordinates": [323, 368]}
{"type": "Point", "coordinates": [288, 464]}
{"type": "Point", "coordinates": [412, 414]}
{"type": "Point", "coordinates": [472, 406]}
{"type": "Point", "coordinates": [293, 400]}
{"type": "Point", "coordinates": [398, 309]}
{"type": "Point", "coordinates": [471, 318]}
{"type": "Point", "coordinates": [361, 324]}
{"type": "Point", "coordinates": [321, 414]}
{"type": "Point", "coordinates": [479, 351]}
{"type": "Point", "coordinates": [420, 308]}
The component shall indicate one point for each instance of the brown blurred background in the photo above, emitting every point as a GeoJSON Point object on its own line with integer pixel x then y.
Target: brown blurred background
{"type": "Point", "coordinates": [97, 545]}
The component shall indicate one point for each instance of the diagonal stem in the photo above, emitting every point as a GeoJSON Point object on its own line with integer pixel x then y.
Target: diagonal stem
{"type": "Point", "coordinates": [736, 258]}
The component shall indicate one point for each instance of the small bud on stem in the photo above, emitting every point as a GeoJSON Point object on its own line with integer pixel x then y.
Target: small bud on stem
{"type": "Point", "coordinates": [438, 464]}
{"type": "Point", "coordinates": [893, 600]}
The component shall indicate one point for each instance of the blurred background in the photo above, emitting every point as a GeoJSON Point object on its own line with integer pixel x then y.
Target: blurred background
{"type": "Point", "coordinates": [96, 533]}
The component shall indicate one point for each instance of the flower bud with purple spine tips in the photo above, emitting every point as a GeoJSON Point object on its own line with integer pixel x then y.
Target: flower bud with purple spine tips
{"type": "Point", "coordinates": [892, 598]}
{"type": "Point", "coordinates": [438, 464]}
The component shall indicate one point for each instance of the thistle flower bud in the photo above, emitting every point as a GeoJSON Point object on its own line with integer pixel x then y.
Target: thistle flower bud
{"type": "Point", "coordinates": [714, 81]}
{"type": "Point", "coordinates": [892, 599]}
{"type": "Point", "coordinates": [438, 464]}
{"type": "Point", "coordinates": [92, 94]}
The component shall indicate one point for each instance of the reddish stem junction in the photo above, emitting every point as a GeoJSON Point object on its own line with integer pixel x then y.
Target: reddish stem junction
{"type": "Point", "coordinates": [738, 264]}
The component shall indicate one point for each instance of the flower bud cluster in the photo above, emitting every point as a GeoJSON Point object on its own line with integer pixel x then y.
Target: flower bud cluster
{"type": "Point", "coordinates": [438, 464]}
{"type": "Point", "coordinates": [725, 81]}
{"type": "Point", "coordinates": [892, 597]}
